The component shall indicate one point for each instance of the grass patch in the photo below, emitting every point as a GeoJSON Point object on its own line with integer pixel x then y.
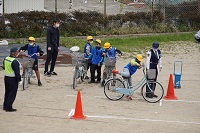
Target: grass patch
{"type": "Point", "coordinates": [135, 43]}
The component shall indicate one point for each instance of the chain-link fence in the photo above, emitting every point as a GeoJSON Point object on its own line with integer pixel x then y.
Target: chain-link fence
{"type": "Point", "coordinates": [96, 17]}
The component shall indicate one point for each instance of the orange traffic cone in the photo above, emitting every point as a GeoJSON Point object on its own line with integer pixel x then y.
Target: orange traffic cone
{"type": "Point", "coordinates": [170, 92]}
{"type": "Point", "coordinates": [78, 110]}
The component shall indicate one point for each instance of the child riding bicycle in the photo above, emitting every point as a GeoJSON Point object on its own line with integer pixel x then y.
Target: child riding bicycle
{"type": "Point", "coordinates": [33, 48]}
{"type": "Point", "coordinates": [109, 54]}
{"type": "Point", "coordinates": [130, 69]}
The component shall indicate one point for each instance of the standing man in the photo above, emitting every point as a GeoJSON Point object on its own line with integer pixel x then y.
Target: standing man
{"type": "Point", "coordinates": [52, 47]}
{"type": "Point", "coordinates": [153, 62]}
{"type": "Point", "coordinates": [12, 78]}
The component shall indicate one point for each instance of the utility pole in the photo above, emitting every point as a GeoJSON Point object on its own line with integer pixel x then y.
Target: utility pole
{"type": "Point", "coordinates": [56, 6]}
{"type": "Point", "coordinates": [3, 17]}
{"type": "Point", "coordinates": [152, 9]}
{"type": "Point", "coordinates": [104, 8]}
{"type": "Point", "coordinates": [198, 10]}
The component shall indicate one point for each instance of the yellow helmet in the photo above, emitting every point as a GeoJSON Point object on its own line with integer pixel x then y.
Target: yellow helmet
{"type": "Point", "coordinates": [106, 45]}
{"type": "Point", "coordinates": [31, 38]}
{"type": "Point", "coordinates": [89, 38]}
{"type": "Point", "coordinates": [139, 57]}
{"type": "Point", "coordinates": [98, 41]}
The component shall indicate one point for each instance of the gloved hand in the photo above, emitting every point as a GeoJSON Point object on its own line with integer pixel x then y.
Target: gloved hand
{"type": "Point", "coordinates": [20, 82]}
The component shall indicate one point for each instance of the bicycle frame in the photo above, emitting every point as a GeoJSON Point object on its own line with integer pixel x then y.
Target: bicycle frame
{"type": "Point", "coordinates": [130, 91]}
{"type": "Point", "coordinates": [28, 71]}
{"type": "Point", "coordinates": [80, 68]}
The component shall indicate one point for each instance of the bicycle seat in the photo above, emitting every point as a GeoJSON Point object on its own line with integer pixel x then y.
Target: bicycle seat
{"type": "Point", "coordinates": [125, 77]}
{"type": "Point", "coordinates": [115, 71]}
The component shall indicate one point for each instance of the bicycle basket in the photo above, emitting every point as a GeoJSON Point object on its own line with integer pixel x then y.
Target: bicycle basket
{"type": "Point", "coordinates": [28, 62]}
{"type": "Point", "coordinates": [78, 61]}
{"type": "Point", "coordinates": [151, 74]}
{"type": "Point", "coordinates": [110, 62]}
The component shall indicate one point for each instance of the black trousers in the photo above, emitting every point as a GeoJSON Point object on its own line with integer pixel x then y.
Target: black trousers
{"type": "Point", "coordinates": [11, 87]}
{"type": "Point", "coordinates": [51, 56]}
{"type": "Point", "coordinates": [92, 71]}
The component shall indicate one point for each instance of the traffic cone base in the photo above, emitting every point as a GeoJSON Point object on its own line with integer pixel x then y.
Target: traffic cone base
{"type": "Point", "coordinates": [78, 110]}
{"type": "Point", "coordinates": [78, 117]}
{"type": "Point", "coordinates": [170, 91]}
{"type": "Point", "coordinates": [170, 98]}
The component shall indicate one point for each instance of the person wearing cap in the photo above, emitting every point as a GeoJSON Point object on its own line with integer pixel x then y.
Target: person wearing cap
{"type": "Point", "coordinates": [130, 69]}
{"type": "Point", "coordinates": [97, 61]}
{"type": "Point", "coordinates": [33, 48]}
{"type": "Point", "coordinates": [87, 52]}
{"type": "Point", "coordinates": [12, 79]}
{"type": "Point", "coordinates": [53, 47]}
{"type": "Point", "coordinates": [109, 52]}
{"type": "Point", "coordinates": [153, 61]}
{"type": "Point", "coordinates": [197, 36]}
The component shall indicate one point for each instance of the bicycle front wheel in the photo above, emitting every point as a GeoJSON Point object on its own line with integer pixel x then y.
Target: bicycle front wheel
{"type": "Point", "coordinates": [25, 80]}
{"type": "Point", "coordinates": [83, 75]}
{"type": "Point", "coordinates": [75, 79]}
{"type": "Point", "coordinates": [152, 92]}
{"type": "Point", "coordinates": [109, 89]}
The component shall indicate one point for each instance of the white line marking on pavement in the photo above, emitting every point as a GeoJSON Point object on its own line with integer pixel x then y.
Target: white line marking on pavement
{"type": "Point", "coordinates": [161, 101]}
{"type": "Point", "coordinates": [139, 119]}
{"type": "Point", "coordinates": [181, 101]}
{"type": "Point", "coordinates": [71, 112]}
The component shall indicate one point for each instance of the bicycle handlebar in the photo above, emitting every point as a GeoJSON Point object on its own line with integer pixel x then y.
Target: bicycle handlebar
{"type": "Point", "coordinates": [29, 55]}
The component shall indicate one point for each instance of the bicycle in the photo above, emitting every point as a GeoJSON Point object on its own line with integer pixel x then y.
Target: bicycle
{"type": "Point", "coordinates": [80, 66]}
{"type": "Point", "coordinates": [27, 62]}
{"type": "Point", "coordinates": [116, 88]}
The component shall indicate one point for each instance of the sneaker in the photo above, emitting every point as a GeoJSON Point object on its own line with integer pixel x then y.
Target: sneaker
{"type": "Point", "coordinates": [129, 98]}
{"type": "Point", "coordinates": [48, 74]}
{"type": "Point", "coordinates": [98, 81]}
{"type": "Point", "coordinates": [155, 96]}
{"type": "Point", "coordinates": [86, 77]}
{"type": "Point", "coordinates": [10, 110]}
{"type": "Point", "coordinates": [54, 73]}
{"type": "Point", "coordinates": [39, 83]}
{"type": "Point", "coordinates": [149, 96]}
{"type": "Point", "coordinates": [91, 82]}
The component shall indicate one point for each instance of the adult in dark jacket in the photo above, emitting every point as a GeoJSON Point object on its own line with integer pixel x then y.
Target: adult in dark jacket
{"type": "Point", "coordinates": [154, 62]}
{"type": "Point", "coordinates": [12, 78]}
{"type": "Point", "coordinates": [52, 48]}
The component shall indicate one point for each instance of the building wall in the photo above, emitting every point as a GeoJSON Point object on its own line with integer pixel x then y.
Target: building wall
{"type": "Point", "coordinates": [14, 6]}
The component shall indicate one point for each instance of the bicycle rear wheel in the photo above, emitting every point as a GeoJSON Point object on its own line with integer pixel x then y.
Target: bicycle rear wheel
{"type": "Point", "coordinates": [75, 79]}
{"type": "Point", "coordinates": [150, 94]}
{"type": "Point", "coordinates": [25, 80]}
{"type": "Point", "coordinates": [109, 89]}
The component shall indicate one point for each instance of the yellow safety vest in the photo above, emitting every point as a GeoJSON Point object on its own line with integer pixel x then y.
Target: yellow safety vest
{"type": "Point", "coordinates": [9, 72]}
